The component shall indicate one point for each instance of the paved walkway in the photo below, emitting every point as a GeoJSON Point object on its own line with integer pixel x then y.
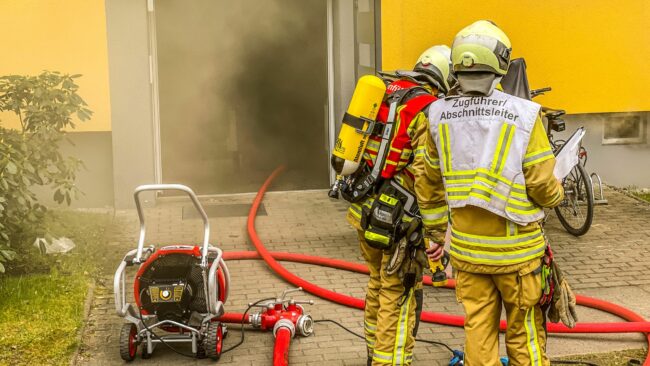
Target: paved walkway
{"type": "Point", "coordinates": [610, 262]}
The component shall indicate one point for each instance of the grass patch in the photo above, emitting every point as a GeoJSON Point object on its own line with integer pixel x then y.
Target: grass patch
{"type": "Point", "coordinates": [40, 317]}
{"type": "Point", "coordinates": [617, 358]}
{"type": "Point", "coordinates": [643, 196]}
{"type": "Point", "coordinates": [41, 313]}
{"type": "Point", "coordinates": [641, 193]}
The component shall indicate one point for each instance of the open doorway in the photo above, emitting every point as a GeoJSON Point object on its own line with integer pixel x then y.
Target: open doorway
{"type": "Point", "coordinates": [242, 88]}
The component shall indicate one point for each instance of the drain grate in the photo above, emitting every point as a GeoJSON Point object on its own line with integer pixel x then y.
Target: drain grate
{"type": "Point", "coordinates": [227, 210]}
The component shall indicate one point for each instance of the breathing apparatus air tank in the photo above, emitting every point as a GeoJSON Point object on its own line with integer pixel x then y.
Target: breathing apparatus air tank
{"type": "Point", "coordinates": [358, 123]}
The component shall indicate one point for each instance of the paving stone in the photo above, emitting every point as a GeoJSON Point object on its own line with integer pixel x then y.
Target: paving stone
{"type": "Point", "coordinates": [609, 262]}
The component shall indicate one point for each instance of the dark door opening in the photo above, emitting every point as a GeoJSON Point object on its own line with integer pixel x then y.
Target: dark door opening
{"type": "Point", "coordinates": [242, 89]}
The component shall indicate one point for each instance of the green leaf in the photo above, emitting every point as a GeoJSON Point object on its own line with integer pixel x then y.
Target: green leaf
{"type": "Point", "coordinates": [58, 196]}
{"type": "Point", "coordinates": [2, 268]}
{"type": "Point", "coordinates": [83, 115]}
{"type": "Point", "coordinates": [11, 168]}
{"type": "Point", "coordinates": [9, 254]}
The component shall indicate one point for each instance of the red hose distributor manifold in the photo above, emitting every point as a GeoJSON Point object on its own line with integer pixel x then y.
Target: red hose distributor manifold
{"type": "Point", "coordinates": [286, 317]}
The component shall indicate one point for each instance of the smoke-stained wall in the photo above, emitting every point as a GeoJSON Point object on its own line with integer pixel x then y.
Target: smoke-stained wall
{"type": "Point", "coordinates": [243, 88]}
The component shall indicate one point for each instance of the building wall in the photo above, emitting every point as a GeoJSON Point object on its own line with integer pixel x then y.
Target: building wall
{"type": "Point", "coordinates": [95, 180]}
{"type": "Point", "coordinates": [131, 99]}
{"type": "Point", "coordinates": [343, 60]}
{"type": "Point", "coordinates": [69, 37]}
{"type": "Point", "coordinates": [578, 48]}
{"type": "Point", "coordinates": [621, 165]}
{"type": "Point", "coordinates": [131, 91]}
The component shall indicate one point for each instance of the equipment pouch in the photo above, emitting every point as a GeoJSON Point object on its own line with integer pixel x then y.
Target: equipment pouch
{"type": "Point", "coordinates": [382, 222]}
{"type": "Point", "coordinates": [378, 238]}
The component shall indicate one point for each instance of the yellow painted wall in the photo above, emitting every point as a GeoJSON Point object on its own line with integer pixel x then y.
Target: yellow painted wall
{"type": "Point", "coordinates": [594, 53]}
{"type": "Point", "coordinates": [59, 35]}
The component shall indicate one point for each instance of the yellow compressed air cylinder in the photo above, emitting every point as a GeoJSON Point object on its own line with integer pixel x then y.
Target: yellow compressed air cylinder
{"type": "Point", "coordinates": [351, 142]}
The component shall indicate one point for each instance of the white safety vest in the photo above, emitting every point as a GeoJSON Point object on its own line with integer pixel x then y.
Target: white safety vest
{"type": "Point", "coordinates": [481, 143]}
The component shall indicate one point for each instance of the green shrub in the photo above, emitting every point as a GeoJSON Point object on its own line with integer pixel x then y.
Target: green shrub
{"type": "Point", "coordinates": [44, 105]}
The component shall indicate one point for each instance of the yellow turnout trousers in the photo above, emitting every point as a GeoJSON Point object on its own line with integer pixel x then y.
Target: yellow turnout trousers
{"type": "Point", "coordinates": [482, 296]}
{"type": "Point", "coordinates": [389, 320]}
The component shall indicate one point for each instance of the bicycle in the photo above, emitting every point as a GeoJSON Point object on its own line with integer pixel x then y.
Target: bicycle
{"type": "Point", "coordinates": [576, 212]}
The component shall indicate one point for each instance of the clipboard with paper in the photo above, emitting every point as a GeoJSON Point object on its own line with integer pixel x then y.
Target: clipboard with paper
{"type": "Point", "coordinates": [566, 157]}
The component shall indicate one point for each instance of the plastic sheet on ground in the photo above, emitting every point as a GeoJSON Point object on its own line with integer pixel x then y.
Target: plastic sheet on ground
{"type": "Point", "coordinates": [59, 245]}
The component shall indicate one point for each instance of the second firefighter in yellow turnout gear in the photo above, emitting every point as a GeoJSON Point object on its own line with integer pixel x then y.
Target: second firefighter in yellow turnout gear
{"type": "Point", "coordinates": [388, 326]}
{"type": "Point", "coordinates": [392, 308]}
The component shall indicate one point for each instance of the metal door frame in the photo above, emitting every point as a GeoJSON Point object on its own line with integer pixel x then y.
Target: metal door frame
{"type": "Point", "coordinates": [155, 99]}
{"type": "Point", "coordinates": [331, 123]}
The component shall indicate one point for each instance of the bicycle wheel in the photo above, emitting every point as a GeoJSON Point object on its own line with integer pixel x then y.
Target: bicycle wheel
{"type": "Point", "coordinates": [577, 210]}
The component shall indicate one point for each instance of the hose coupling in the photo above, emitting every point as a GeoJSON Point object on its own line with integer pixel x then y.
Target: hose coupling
{"type": "Point", "coordinates": [305, 325]}
{"type": "Point", "coordinates": [284, 323]}
{"type": "Point", "coordinates": [255, 320]}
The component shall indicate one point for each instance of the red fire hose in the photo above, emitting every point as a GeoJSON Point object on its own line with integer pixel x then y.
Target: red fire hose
{"type": "Point", "coordinates": [234, 318]}
{"type": "Point", "coordinates": [281, 348]}
{"type": "Point", "coordinates": [635, 324]}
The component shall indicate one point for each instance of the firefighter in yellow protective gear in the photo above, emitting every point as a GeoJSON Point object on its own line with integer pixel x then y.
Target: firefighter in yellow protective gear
{"type": "Point", "coordinates": [491, 171]}
{"type": "Point", "coordinates": [390, 310]}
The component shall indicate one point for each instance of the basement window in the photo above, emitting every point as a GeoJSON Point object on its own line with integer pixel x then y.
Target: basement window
{"type": "Point", "coordinates": [625, 128]}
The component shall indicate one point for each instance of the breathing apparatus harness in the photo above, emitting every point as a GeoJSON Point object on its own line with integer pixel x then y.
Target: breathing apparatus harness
{"type": "Point", "coordinates": [367, 179]}
{"type": "Point", "coordinates": [382, 221]}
